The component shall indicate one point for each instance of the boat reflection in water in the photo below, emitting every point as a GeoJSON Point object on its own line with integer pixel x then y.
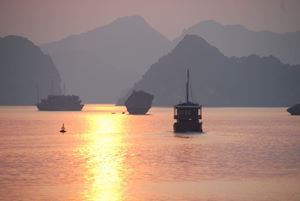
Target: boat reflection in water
{"type": "Point", "coordinates": [104, 155]}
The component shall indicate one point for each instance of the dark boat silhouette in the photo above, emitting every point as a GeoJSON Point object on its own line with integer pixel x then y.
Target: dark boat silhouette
{"type": "Point", "coordinates": [63, 130]}
{"type": "Point", "coordinates": [139, 102]}
{"type": "Point", "coordinates": [60, 103]}
{"type": "Point", "coordinates": [294, 110]}
{"type": "Point", "coordinates": [188, 115]}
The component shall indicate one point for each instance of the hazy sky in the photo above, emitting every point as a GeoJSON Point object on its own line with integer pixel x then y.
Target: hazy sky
{"type": "Point", "coordinates": [48, 20]}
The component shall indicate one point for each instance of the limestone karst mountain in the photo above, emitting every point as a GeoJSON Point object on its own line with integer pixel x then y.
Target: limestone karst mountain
{"type": "Point", "coordinates": [23, 69]}
{"type": "Point", "coordinates": [103, 63]}
{"type": "Point", "coordinates": [236, 40]}
{"type": "Point", "coordinates": [218, 80]}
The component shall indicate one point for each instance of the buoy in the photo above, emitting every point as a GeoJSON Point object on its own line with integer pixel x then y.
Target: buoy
{"type": "Point", "coordinates": [63, 130]}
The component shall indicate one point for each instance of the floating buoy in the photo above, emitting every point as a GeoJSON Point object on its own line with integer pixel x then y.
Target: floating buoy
{"type": "Point", "coordinates": [63, 130]}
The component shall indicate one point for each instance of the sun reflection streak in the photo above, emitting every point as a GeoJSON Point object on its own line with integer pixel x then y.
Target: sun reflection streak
{"type": "Point", "coordinates": [104, 151]}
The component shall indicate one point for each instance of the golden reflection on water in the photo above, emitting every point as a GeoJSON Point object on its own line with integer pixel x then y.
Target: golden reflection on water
{"type": "Point", "coordinates": [104, 152]}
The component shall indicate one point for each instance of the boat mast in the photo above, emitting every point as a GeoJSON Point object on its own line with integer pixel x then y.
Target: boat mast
{"type": "Point", "coordinates": [187, 85]}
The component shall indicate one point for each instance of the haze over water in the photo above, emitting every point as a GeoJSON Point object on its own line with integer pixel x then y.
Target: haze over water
{"type": "Point", "coordinates": [245, 154]}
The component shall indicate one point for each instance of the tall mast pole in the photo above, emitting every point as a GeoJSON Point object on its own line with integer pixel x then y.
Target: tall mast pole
{"type": "Point", "coordinates": [187, 85]}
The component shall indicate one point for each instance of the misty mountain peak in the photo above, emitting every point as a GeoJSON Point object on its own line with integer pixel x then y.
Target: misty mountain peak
{"type": "Point", "coordinates": [129, 24]}
{"type": "Point", "coordinates": [237, 40]}
{"type": "Point", "coordinates": [190, 39]}
{"type": "Point", "coordinates": [209, 23]}
{"type": "Point", "coordinates": [214, 26]}
{"type": "Point", "coordinates": [196, 45]}
{"type": "Point", "coordinates": [114, 55]}
{"type": "Point", "coordinates": [138, 20]}
{"type": "Point", "coordinates": [16, 40]}
{"type": "Point", "coordinates": [12, 45]}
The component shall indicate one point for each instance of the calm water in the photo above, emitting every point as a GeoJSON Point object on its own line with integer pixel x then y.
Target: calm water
{"type": "Point", "coordinates": [246, 154]}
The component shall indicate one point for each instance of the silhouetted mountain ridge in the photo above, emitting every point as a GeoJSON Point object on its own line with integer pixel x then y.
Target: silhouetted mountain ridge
{"type": "Point", "coordinates": [23, 68]}
{"type": "Point", "coordinates": [218, 80]}
{"type": "Point", "coordinates": [236, 40]}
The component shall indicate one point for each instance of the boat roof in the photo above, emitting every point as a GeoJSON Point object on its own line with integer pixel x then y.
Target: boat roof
{"type": "Point", "coordinates": [187, 105]}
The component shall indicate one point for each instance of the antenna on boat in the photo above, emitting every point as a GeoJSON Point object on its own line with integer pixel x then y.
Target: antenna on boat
{"type": "Point", "coordinates": [187, 85]}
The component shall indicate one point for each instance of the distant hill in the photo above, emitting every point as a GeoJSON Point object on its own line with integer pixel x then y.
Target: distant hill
{"type": "Point", "coordinates": [23, 68]}
{"type": "Point", "coordinates": [236, 40]}
{"type": "Point", "coordinates": [104, 63]}
{"type": "Point", "coordinates": [218, 80]}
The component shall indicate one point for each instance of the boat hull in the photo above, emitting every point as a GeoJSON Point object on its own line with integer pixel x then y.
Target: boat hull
{"type": "Point", "coordinates": [187, 126]}
{"type": "Point", "coordinates": [60, 107]}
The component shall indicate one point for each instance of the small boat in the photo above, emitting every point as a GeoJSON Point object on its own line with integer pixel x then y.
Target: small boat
{"type": "Point", "coordinates": [188, 115]}
{"type": "Point", "coordinates": [63, 130]}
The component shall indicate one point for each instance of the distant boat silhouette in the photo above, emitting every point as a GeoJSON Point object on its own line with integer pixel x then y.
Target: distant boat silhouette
{"type": "Point", "coordinates": [63, 130]}
{"type": "Point", "coordinates": [188, 115]}
{"type": "Point", "coordinates": [60, 103]}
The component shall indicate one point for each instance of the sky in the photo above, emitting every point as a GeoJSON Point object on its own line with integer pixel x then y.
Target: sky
{"type": "Point", "coordinates": [44, 21]}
